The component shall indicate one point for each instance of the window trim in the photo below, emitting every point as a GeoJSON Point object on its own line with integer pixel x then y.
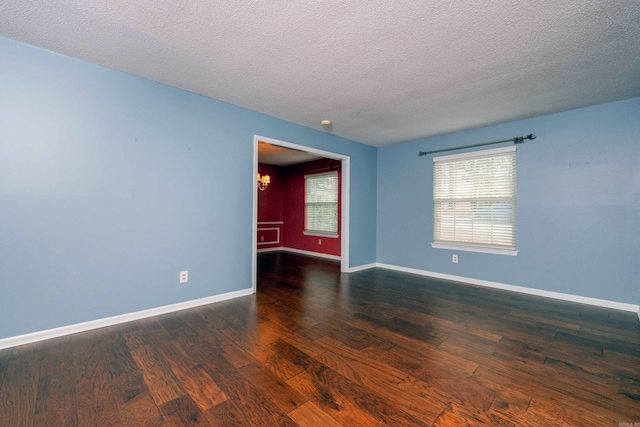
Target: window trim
{"type": "Point", "coordinates": [328, 234]}
{"type": "Point", "coordinates": [322, 233]}
{"type": "Point", "coordinates": [480, 249]}
{"type": "Point", "coordinates": [466, 246]}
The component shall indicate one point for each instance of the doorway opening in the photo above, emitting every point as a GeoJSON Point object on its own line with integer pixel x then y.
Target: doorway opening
{"type": "Point", "coordinates": [307, 153]}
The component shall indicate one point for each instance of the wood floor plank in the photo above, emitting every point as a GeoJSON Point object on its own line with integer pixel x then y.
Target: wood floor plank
{"type": "Point", "coordinates": [444, 325]}
{"type": "Point", "coordinates": [527, 381]}
{"type": "Point", "coordinates": [507, 399]}
{"type": "Point", "coordinates": [507, 350]}
{"type": "Point", "coordinates": [577, 414]}
{"type": "Point", "coordinates": [55, 403]}
{"type": "Point", "coordinates": [364, 398]}
{"type": "Point", "coordinates": [449, 419]}
{"type": "Point", "coordinates": [31, 350]}
{"type": "Point", "coordinates": [162, 383]}
{"type": "Point", "coordinates": [586, 339]}
{"type": "Point", "coordinates": [57, 357]}
{"type": "Point", "coordinates": [475, 416]}
{"type": "Point", "coordinates": [278, 311]}
{"type": "Point", "coordinates": [249, 337]}
{"type": "Point", "coordinates": [348, 335]}
{"type": "Point", "coordinates": [226, 414]}
{"type": "Point", "coordinates": [92, 381]}
{"type": "Point", "coordinates": [309, 415]}
{"type": "Point", "coordinates": [273, 387]}
{"type": "Point", "coordinates": [521, 418]}
{"type": "Point", "coordinates": [232, 352]}
{"type": "Point", "coordinates": [204, 392]}
{"type": "Point", "coordinates": [18, 392]}
{"type": "Point", "coordinates": [421, 409]}
{"type": "Point", "coordinates": [101, 414]}
{"type": "Point", "coordinates": [135, 338]}
{"type": "Point", "coordinates": [178, 326]}
{"type": "Point", "coordinates": [416, 361]}
{"type": "Point", "coordinates": [141, 411]}
{"type": "Point", "coordinates": [383, 372]}
{"type": "Point", "coordinates": [5, 357]}
{"type": "Point", "coordinates": [281, 358]}
{"type": "Point", "coordinates": [248, 402]}
{"type": "Point", "coordinates": [470, 398]}
{"type": "Point", "coordinates": [295, 339]}
{"type": "Point", "coordinates": [116, 356]}
{"type": "Point", "coordinates": [526, 315]}
{"type": "Point", "coordinates": [335, 403]}
{"type": "Point", "coordinates": [183, 412]}
{"type": "Point", "coordinates": [135, 404]}
{"type": "Point", "coordinates": [569, 371]}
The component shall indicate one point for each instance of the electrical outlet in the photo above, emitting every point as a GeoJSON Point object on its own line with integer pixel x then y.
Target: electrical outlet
{"type": "Point", "coordinates": [184, 276]}
{"type": "Point", "coordinates": [454, 258]}
{"type": "Point", "coordinates": [319, 241]}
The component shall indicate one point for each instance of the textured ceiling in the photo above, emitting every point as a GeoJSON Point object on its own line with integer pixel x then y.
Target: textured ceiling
{"type": "Point", "coordinates": [382, 71]}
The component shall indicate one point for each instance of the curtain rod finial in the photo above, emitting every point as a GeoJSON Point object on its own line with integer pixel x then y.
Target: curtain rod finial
{"type": "Point", "coordinates": [520, 139]}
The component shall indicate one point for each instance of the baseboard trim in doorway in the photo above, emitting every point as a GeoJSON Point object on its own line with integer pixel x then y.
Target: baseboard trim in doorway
{"type": "Point", "coordinates": [115, 320]}
{"type": "Point", "coordinates": [301, 252]}
{"type": "Point", "coordinates": [362, 267]}
{"type": "Point", "coordinates": [310, 253]}
{"type": "Point", "coordinates": [520, 289]}
{"type": "Point", "coordinates": [275, 249]}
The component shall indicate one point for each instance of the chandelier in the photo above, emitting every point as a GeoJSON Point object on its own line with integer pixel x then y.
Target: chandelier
{"type": "Point", "coordinates": [263, 182]}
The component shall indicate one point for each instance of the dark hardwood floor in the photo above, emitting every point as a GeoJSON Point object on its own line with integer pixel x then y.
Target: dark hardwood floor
{"type": "Point", "coordinates": [318, 348]}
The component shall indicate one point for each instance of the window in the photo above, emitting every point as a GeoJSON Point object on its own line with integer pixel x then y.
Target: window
{"type": "Point", "coordinates": [474, 198]}
{"type": "Point", "coordinates": [321, 203]}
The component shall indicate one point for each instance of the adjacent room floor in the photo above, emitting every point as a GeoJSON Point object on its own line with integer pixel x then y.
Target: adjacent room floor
{"type": "Point", "coordinates": [315, 347]}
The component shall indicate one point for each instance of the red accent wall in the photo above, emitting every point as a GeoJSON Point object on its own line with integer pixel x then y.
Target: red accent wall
{"type": "Point", "coordinates": [294, 208]}
{"type": "Point", "coordinates": [270, 208]}
{"type": "Point", "coordinates": [283, 201]}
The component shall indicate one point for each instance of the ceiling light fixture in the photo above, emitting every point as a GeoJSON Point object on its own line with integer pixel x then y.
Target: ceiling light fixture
{"type": "Point", "coordinates": [326, 123]}
{"type": "Point", "coordinates": [263, 182]}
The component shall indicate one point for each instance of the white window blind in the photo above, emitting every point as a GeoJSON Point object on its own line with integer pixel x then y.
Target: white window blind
{"type": "Point", "coordinates": [321, 202]}
{"type": "Point", "coordinates": [474, 197]}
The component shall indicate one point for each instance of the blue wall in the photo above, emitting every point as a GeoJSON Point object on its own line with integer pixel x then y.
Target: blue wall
{"type": "Point", "coordinates": [578, 208]}
{"type": "Point", "coordinates": [111, 184]}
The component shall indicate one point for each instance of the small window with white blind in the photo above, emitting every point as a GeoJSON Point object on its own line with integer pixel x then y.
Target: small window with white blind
{"type": "Point", "coordinates": [474, 198]}
{"type": "Point", "coordinates": [321, 204]}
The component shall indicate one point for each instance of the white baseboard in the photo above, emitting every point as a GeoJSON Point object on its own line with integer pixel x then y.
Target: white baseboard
{"type": "Point", "coordinates": [274, 249]}
{"type": "Point", "coordinates": [110, 321]}
{"type": "Point", "coordinates": [523, 290]}
{"type": "Point", "coordinates": [362, 267]}
{"type": "Point", "coordinates": [302, 252]}
{"type": "Point", "coordinates": [310, 253]}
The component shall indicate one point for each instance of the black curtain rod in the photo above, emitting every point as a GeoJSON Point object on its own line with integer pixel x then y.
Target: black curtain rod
{"type": "Point", "coordinates": [516, 140]}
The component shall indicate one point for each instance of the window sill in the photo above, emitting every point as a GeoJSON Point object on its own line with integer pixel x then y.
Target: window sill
{"type": "Point", "coordinates": [321, 234]}
{"type": "Point", "coordinates": [495, 251]}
